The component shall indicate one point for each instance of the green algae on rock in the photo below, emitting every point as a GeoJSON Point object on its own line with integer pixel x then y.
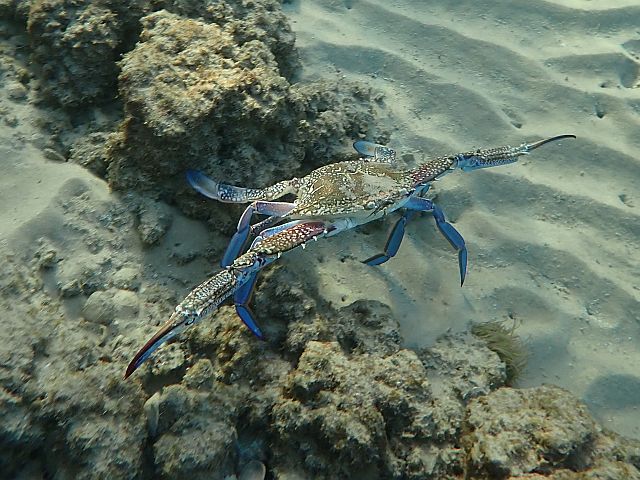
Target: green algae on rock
{"type": "Point", "coordinates": [195, 440]}
{"type": "Point", "coordinates": [506, 344]}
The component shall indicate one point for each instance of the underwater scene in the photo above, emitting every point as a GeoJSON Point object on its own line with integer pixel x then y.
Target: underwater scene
{"type": "Point", "coordinates": [320, 239]}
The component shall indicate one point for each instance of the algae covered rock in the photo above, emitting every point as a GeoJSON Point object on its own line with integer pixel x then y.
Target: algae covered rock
{"type": "Point", "coordinates": [548, 428]}
{"type": "Point", "coordinates": [352, 413]}
{"type": "Point", "coordinates": [470, 367]}
{"type": "Point", "coordinates": [368, 326]}
{"type": "Point", "coordinates": [197, 97]}
{"type": "Point", "coordinates": [261, 20]}
{"type": "Point", "coordinates": [75, 45]}
{"type": "Point", "coordinates": [195, 440]}
{"type": "Point", "coordinates": [20, 434]}
{"type": "Point", "coordinates": [511, 433]}
{"type": "Point", "coordinates": [94, 418]}
{"type": "Point", "coordinates": [184, 71]}
{"type": "Point", "coordinates": [189, 90]}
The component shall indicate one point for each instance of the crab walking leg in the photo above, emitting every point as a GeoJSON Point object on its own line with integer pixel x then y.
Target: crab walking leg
{"type": "Point", "coordinates": [243, 295]}
{"type": "Point", "coordinates": [393, 242]}
{"type": "Point", "coordinates": [447, 230]}
{"type": "Point", "coordinates": [210, 294]}
{"type": "Point", "coordinates": [241, 300]}
{"type": "Point", "coordinates": [273, 209]}
{"type": "Point", "coordinates": [232, 194]}
{"type": "Point", "coordinates": [418, 204]}
{"type": "Point", "coordinates": [453, 237]}
{"type": "Point", "coordinates": [397, 234]}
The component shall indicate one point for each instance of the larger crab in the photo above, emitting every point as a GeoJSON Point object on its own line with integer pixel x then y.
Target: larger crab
{"type": "Point", "coordinates": [331, 199]}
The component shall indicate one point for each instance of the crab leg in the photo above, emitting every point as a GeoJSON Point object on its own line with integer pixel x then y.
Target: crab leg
{"type": "Point", "coordinates": [232, 194]}
{"type": "Point", "coordinates": [393, 242]}
{"type": "Point", "coordinates": [481, 158]}
{"type": "Point", "coordinates": [447, 230]}
{"type": "Point", "coordinates": [418, 204]}
{"type": "Point", "coordinates": [492, 157]}
{"type": "Point", "coordinates": [243, 295]}
{"type": "Point", "coordinates": [232, 281]}
{"type": "Point", "coordinates": [452, 235]}
{"type": "Point", "coordinates": [254, 231]}
{"type": "Point", "coordinates": [273, 209]}
{"type": "Point", "coordinates": [397, 234]}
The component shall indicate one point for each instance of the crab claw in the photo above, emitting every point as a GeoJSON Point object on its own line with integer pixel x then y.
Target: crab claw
{"type": "Point", "coordinates": [176, 324]}
{"type": "Point", "coordinates": [217, 191]}
{"type": "Point", "coordinates": [378, 153]}
{"type": "Point", "coordinates": [203, 300]}
{"type": "Point", "coordinates": [494, 157]}
{"type": "Point", "coordinates": [203, 184]}
{"type": "Point", "coordinates": [532, 146]}
{"type": "Point", "coordinates": [237, 280]}
{"type": "Point", "coordinates": [364, 148]}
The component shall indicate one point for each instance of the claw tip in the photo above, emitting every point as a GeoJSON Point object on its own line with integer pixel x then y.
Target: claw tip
{"type": "Point", "coordinates": [130, 369]}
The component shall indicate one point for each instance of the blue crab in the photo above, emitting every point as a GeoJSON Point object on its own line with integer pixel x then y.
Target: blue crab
{"type": "Point", "coordinates": [331, 199]}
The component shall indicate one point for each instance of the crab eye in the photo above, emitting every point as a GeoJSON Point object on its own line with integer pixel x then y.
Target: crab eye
{"type": "Point", "coordinates": [370, 205]}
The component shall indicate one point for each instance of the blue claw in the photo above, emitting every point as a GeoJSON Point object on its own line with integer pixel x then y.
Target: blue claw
{"type": "Point", "coordinates": [203, 184]}
{"type": "Point", "coordinates": [243, 294]}
{"type": "Point", "coordinates": [395, 239]}
{"type": "Point", "coordinates": [273, 209]}
{"type": "Point", "coordinates": [365, 148]}
{"type": "Point", "coordinates": [378, 153]}
{"type": "Point", "coordinates": [247, 317]}
{"type": "Point", "coordinates": [377, 259]}
{"type": "Point", "coordinates": [462, 263]}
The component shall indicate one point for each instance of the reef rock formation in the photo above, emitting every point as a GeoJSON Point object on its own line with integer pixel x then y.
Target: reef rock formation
{"type": "Point", "coordinates": [196, 98]}
{"type": "Point", "coordinates": [542, 432]}
{"type": "Point", "coordinates": [76, 44]}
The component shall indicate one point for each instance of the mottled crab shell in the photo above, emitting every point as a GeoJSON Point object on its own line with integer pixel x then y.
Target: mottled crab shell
{"type": "Point", "coordinates": [346, 188]}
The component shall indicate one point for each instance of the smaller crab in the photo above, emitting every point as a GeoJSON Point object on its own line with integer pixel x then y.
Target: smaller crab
{"type": "Point", "coordinates": [331, 199]}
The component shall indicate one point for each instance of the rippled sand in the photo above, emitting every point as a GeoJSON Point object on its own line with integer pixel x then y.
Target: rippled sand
{"type": "Point", "coordinates": [553, 240]}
